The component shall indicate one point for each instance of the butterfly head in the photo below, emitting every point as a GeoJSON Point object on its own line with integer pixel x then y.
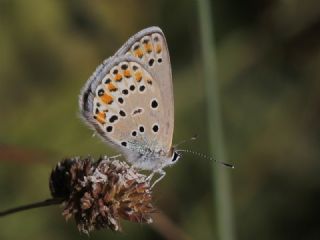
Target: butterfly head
{"type": "Point", "coordinates": [174, 156]}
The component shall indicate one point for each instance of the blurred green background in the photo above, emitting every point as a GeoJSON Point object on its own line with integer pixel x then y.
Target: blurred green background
{"type": "Point", "coordinates": [268, 70]}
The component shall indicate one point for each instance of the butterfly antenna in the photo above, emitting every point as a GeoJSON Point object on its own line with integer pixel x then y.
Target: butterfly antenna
{"type": "Point", "coordinates": [45, 203]}
{"type": "Point", "coordinates": [206, 157]}
{"type": "Point", "coordinates": [193, 138]}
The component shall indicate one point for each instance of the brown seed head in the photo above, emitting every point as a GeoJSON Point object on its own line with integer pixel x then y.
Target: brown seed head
{"type": "Point", "coordinates": [99, 194]}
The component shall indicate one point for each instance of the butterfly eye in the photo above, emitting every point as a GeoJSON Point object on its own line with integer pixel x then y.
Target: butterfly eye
{"type": "Point", "coordinates": [176, 157]}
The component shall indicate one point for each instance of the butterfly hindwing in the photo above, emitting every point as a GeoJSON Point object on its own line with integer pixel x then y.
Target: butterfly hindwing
{"type": "Point", "coordinates": [123, 104]}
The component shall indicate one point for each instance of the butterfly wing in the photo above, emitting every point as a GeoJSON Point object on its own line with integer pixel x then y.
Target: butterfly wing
{"type": "Point", "coordinates": [129, 101]}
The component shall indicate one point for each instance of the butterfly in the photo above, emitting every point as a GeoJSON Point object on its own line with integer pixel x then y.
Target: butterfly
{"type": "Point", "coordinates": [128, 101]}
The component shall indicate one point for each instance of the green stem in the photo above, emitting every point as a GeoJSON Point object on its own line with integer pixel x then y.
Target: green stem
{"type": "Point", "coordinates": [221, 181]}
{"type": "Point", "coordinates": [45, 203]}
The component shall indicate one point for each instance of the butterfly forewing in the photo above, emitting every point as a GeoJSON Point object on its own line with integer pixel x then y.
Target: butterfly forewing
{"type": "Point", "coordinates": [149, 45]}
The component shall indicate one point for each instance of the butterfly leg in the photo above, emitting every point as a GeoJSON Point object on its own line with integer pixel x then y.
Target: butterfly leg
{"type": "Point", "coordinates": [148, 179]}
{"type": "Point", "coordinates": [115, 156]}
{"type": "Point", "coordinates": [162, 175]}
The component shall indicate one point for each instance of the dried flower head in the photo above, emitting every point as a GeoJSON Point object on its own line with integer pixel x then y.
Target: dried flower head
{"type": "Point", "coordinates": [99, 194]}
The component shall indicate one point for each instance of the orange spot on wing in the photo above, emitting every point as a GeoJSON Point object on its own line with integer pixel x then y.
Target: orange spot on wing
{"type": "Point", "coordinates": [101, 117]}
{"type": "Point", "coordinates": [148, 47]}
{"type": "Point", "coordinates": [158, 48]}
{"type": "Point", "coordinates": [118, 77]}
{"type": "Point", "coordinates": [138, 53]}
{"type": "Point", "coordinates": [138, 76]}
{"type": "Point", "coordinates": [127, 73]}
{"type": "Point", "coordinates": [107, 98]}
{"type": "Point", "coordinates": [112, 87]}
